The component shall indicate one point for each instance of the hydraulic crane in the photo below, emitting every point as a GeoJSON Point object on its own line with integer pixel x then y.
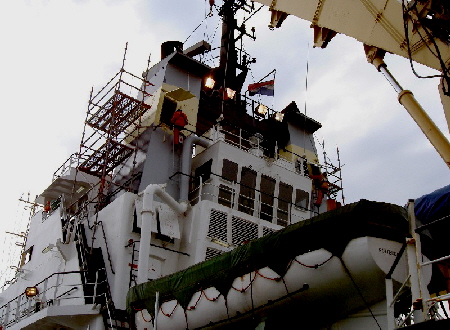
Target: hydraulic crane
{"type": "Point", "coordinates": [418, 30]}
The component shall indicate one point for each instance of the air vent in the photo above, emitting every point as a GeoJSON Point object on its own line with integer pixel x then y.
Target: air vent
{"type": "Point", "coordinates": [243, 230]}
{"type": "Point", "coordinates": [218, 225]}
{"type": "Point", "coordinates": [211, 253]}
{"type": "Point", "coordinates": [267, 231]}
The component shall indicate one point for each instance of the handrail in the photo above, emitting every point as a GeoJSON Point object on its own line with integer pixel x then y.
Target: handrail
{"type": "Point", "coordinates": [73, 159]}
{"type": "Point", "coordinates": [200, 193]}
{"type": "Point", "coordinates": [19, 308]}
{"type": "Point", "coordinates": [45, 279]}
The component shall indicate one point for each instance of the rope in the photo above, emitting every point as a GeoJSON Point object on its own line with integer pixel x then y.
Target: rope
{"type": "Point", "coordinates": [203, 293]}
{"type": "Point", "coordinates": [186, 318]}
{"type": "Point", "coordinates": [359, 292]}
{"type": "Point", "coordinates": [143, 317]}
{"type": "Point", "coordinates": [195, 29]}
{"type": "Point", "coordinates": [251, 295]}
{"type": "Point", "coordinates": [249, 285]}
{"type": "Point", "coordinates": [443, 308]}
{"type": "Point", "coordinates": [268, 278]}
{"type": "Point", "coordinates": [171, 313]}
{"type": "Point", "coordinates": [306, 96]}
{"type": "Point", "coordinates": [313, 266]}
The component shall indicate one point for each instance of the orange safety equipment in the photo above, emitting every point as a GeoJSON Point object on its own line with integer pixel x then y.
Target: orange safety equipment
{"type": "Point", "coordinates": [47, 207]}
{"type": "Point", "coordinates": [179, 120]}
{"type": "Point", "coordinates": [322, 186]}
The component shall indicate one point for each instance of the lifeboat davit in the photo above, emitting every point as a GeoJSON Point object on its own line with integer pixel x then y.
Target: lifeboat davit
{"type": "Point", "coordinates": [315, 272]}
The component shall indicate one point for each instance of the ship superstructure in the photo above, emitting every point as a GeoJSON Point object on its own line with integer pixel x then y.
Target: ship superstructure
{"type": "Point", "coordinates": [179, 171]}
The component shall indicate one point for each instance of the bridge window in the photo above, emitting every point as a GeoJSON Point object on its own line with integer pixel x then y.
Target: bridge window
{"type": "Point", "coordinates": [284, 203]}
{"type": "Point", "coordinates": [301, 199]}
{"type": "Point", "coordinates": [247, 191]}
{"type": "Point", "coordinates": [267, 189]}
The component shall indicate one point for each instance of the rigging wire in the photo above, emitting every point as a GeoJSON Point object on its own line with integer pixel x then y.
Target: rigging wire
{"type": "Point", "coordinates": [204, 19]}
{"type": "Point", "coordinates": [359, 291]}
{"type": "Point", "coordinates": [306, 98]}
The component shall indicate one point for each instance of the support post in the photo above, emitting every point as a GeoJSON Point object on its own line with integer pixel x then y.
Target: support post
{"type": "Point", "coordinates": [390, 305]}
{"type": "Point", "coordinates": [414, 279]}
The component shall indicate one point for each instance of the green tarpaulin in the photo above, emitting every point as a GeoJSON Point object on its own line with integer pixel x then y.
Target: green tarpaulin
{"type": "Point", "coordinates": [331, 231]}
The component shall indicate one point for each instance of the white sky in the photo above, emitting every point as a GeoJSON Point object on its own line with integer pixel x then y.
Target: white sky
{"type": "Point", "coordinates": [54, 51]}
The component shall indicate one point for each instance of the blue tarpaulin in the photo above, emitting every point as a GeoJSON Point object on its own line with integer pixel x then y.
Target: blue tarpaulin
{"type": "Point", "coordinates": [433, 206]}
{"type": "Point", "coordinates": [433, 222]}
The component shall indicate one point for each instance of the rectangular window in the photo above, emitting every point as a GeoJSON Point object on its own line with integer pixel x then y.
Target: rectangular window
{"type": "Point", "coordinates": [26, 256]}
{"type": "Point", "coordinates": [284, 203]}
{"type": "Point", "coordinates": [247, 191]}
{"type": "Point", "coordinates": [229, 170]}
{"type": "Point", "coordinates": [267, 189]}
{"type": "Point", "coordinates": [203, 171]}
{"type": "Point", "coordinates": [225, 195]}
{"type": "Point", "coordinates": [301, 199]}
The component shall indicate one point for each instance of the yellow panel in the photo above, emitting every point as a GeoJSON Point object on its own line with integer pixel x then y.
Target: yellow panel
{"type": "Point", "coordinates": [293, 150]}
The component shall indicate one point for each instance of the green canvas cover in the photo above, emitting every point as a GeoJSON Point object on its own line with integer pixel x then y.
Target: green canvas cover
{"type": "Point", "coordinates": [331, 230]}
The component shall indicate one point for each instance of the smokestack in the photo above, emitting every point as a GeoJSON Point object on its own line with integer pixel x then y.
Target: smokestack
{"type": "Point", "coordinates": [169, 47]}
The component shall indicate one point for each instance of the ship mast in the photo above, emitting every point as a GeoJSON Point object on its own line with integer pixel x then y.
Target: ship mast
{"type": "Point", "coordinates": [228, 54]}
{"type": "Point", "coordinates": [227, 76]}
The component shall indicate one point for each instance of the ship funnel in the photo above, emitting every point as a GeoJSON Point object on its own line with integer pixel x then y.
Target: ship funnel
{"type": "Point", "coordinates": [169, 47]}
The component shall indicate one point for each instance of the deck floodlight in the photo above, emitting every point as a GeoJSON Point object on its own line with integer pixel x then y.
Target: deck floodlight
{"type": "Point", "coordinates": [261, 109]}
{"type": "Point", "coordinates": [230, 93]}
{"type": "Point", "coordinates": [279, 116]}
{"type": "Point", "coordinates": [31, 291]}
{"type": "Point", "coordinates": [210, 82]}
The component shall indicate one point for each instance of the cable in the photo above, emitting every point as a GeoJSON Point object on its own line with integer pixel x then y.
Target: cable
{"type": "Point", "coordinates": [431, 37]}
{"type": "Point", "coordinates": [405, 26]}
{"type": "Point", "coordinates": [443, 308]}
{"type": "Point", "coordinates": [359, 291]}
{"type": "Point", "coordinates": [195, 29]}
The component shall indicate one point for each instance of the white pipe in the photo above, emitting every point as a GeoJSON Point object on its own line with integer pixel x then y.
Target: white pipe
{"type": "Point", "coordinates": [146, 230]}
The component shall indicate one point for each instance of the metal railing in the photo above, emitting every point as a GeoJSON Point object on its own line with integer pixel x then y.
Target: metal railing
{"type": "Point", "coordinates": [207, 190]}
{"type": "Point", "coordinates": [64, 288]}
{"type": "Point", "coordinates": [71, 162]}
{"type": "Point", "coordinates": [423, 308]}
{"type": "Point", "coordinates": [250, 142]}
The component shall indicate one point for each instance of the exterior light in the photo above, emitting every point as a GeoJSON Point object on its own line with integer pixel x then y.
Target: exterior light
{"type": "Point", "coordinates": [48, 248]}
{"type": "Point", "coordinates": [261, 109]}
{"type": "Point", "coordinates": [230, 93]}
{"type": "Point", "coordinates": [209, 83]}
{"type": "Point", "coordinates": [279, 116]}
{"type": "Point", "coordinates": [31, 291]}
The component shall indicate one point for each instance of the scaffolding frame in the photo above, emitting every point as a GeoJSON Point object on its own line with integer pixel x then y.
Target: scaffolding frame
{"type": "Point", "coordinates": [113, 119]}
{"type": "Point", "coordinates": [334, 174]}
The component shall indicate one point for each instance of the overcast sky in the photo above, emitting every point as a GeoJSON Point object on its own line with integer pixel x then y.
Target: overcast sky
{"type": "Point", "coordinates": [54, 51]}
